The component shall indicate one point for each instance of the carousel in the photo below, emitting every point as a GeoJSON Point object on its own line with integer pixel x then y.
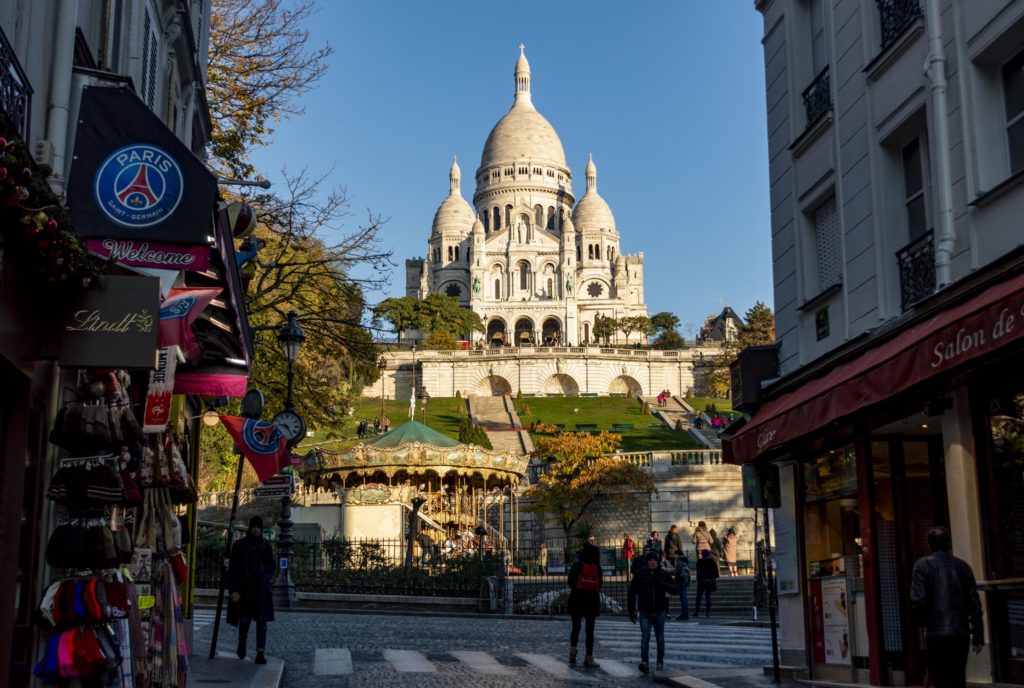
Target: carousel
{"type": "Point", "coordinates": [458, 487]}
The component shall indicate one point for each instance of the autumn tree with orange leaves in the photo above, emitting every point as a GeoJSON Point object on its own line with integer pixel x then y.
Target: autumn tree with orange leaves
{"type": "Point", "coordinates": [582, 473]}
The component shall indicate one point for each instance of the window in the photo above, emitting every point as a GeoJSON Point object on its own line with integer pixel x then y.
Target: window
{"type": "Point", "coordinates": [538, 212]}
{"type": "Point", "coordinates": [508, 216]}
{"type": "Point", "coordinates": [451, 253]}
{"type": "Point", "coordinates": [524, 276]}
{"type": "Point", "coordinates": [551, 217]}
{"type": "Point", "coordinates": [913, 189]}
{"type": "Point", "coordinates": [579, 253]}
{"type": "Point", "coordinates": [497, 288]}
{"type": "Point", "coordinates": [590, 251]}
{"type": "Point", "coordinates": [1013, 97]}
{"type": "Point", "coordinates": [453, 290]}
{"type": "Point", "coordinates": [595, 289]}
{"type": "Point", "coordinates": [826, 244]}
{"type": "Point", "coordinates": [523, 170]}
{"type": "Point", "coordinates": [821, 323]}
{"type": "Point", "coordinates": [149, 59]}
{"type": "Point", "coordinates": [551, 288]}
{"type": "Point", "coordinates": [456, 254]}
{"type": "Point", "coordinates": [496, 223]}
{"type": "Point", "coordinates": [819, 59]}
{"type": "Point", "coordinates": [537, 171]}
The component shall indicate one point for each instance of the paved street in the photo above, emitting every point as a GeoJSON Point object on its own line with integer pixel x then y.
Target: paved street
{"type": "Point", "coordinates": [337, 649]}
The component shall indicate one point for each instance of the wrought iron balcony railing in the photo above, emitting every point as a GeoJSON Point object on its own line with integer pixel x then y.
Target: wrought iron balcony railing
{"type": "Point", "coordinates": [896, 15]}
{"type": "Point", "coordinates": [916, 261]}
{"type": "Point", "coordinates": [818, 97]}
{"type": "Point", "coordinates": [15, 91]}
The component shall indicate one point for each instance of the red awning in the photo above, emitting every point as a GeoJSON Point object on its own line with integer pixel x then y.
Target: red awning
{"type": "Point", "coordinates": [935, 346]}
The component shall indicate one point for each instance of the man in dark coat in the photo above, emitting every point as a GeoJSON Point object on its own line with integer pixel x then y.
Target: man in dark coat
{"type": "Point", "coordinates": [647, 595]}
{"type": "Point", "coordinates": [250, 574]}
{"type": "Point", "coordinates": [944, 597]}
{"type": "Point", "coordinates": [707, 581]}
{"type": "Point", "coordinates": [585, 580]}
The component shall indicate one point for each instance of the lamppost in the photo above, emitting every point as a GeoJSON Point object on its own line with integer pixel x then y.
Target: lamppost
{"type": "Point", "coordinates": [293, 426]}
{"type": "Point", "coordinates": [383, 365]}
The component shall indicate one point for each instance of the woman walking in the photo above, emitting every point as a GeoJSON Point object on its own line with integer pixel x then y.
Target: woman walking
{"type": "Point", "coordinates": [673, 544]}
{"type": "Point", "coordinates": [701, 539]}
{"type": "Point", "coordinates": [707, 581]}
{"type": "Point", "coordinates": [627, 552]}
{"type": "Point", "coordinates": [585, 599]}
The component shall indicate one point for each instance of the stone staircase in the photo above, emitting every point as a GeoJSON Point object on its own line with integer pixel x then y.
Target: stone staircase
{"type": "Point", "coordinates": [498, 418]}
{"type": "Point", "coordinates": [706, 436]}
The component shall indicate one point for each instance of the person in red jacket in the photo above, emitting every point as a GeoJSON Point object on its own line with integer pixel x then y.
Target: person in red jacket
{"type": "Point", "coordinates": [627, 552]}
{"type": "Point", "coordinates": [585, 579]}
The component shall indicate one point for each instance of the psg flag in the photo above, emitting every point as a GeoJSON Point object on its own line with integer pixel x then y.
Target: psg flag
{"type": "Point", "coordinates": [177, 313]}
{"type": "Point", "coordinates": [261, 442]}
{"type": "Point", "coordinates": [132, 178]}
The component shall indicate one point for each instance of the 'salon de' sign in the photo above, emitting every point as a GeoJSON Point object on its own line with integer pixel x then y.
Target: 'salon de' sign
{"type": "Point", "coordinates": [112, 324]}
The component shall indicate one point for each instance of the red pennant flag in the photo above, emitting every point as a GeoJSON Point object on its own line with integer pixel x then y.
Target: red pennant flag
{"type": "Point", "coordinates": [261, 442]}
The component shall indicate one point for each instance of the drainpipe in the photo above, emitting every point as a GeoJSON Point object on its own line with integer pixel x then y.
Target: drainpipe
{"type": "Point", "coordinates": [60, 91]}
{"type": "Point", "coordinates": [935, 70]}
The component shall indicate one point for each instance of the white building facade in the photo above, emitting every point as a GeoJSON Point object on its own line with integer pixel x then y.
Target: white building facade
{"type": "Point", "coordinates": [898, 256]}
{"type": "Point", "coordinates": [536, 265]}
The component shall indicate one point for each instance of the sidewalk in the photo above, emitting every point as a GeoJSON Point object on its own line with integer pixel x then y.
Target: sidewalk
{"type": "Point", "coordinates": [227, 671]}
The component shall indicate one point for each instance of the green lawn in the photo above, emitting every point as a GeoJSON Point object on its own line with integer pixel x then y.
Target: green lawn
{"type": "Point", "coordinates": [603, 411]}
{"type": "Point", "coordinates": [443, 415]}
{"type": "Point", "coordinates": [724, 406]}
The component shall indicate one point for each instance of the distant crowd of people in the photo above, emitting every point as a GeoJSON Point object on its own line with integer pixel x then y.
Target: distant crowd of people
{"type": "Point", "coordinates": [379, 426]}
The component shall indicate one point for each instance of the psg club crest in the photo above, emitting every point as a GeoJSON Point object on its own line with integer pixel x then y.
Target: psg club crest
{"type": "Point", "coordinates": [261, 437]}
{"type": "Point", "coordinates": [139, 185]}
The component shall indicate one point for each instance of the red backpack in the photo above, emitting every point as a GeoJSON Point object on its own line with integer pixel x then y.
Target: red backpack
{"type": "Point", "coordinates": [589, 578]}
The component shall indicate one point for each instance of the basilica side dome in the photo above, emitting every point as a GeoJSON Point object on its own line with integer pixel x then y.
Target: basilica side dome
{"type": "Point", "coordinates": [454, 213]}
{"type": "Point", "coordinates": [592, 212]}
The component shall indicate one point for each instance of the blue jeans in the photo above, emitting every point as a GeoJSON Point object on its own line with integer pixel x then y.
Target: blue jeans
{"type": "Point", "coordinates": [648, 619]}
{"type": "Point", "coordinates": [261, 631]}
{"type": "Point", "coordinates": [682, 589]}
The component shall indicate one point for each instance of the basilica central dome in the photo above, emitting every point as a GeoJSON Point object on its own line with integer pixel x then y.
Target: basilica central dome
{"type": "Point", "coordinates": [523, 133]}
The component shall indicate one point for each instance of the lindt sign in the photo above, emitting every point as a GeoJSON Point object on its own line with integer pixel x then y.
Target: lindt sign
{"type": "Point", "coordinates": [112, 324]}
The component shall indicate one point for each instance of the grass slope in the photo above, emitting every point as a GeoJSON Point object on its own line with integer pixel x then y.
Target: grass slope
{"type": "Point", "coordinates": [604, 411]}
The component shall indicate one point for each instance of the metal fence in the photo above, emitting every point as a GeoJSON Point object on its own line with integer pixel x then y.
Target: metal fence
{"type": "Point", "coordinates": [515, 581]}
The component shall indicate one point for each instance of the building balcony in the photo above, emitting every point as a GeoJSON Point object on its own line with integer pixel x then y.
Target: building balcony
{"type": "Point", "coordinates": [896, 16]}
{"type": "Point", "coordinates": [916, 262]}
{"type": "Point", "coordinates": [15, 90]}
{"type": "Point", "coordinates": [818, 98]}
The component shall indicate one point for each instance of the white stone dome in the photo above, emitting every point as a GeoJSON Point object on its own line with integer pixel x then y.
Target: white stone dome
{"type": "Point", "coordinates": [454, 213]}
{"type": "Point", "coordinates": [523, 133]}
{"type": "Point", "coordinates": [592, 212]}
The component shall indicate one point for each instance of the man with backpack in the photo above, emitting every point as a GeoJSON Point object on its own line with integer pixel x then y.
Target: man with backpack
{"type": "Point", "coordinates": [585, 580]}
{"type": "Point", "coordinates": [648, 601]}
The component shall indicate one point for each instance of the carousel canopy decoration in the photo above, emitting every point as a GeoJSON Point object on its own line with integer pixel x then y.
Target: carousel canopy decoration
{"type": "Point", "coordinates": [415, 448]}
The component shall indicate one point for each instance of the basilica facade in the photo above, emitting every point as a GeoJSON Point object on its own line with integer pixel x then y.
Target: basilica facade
{"type": "Point", "coordinates": [538, 266]}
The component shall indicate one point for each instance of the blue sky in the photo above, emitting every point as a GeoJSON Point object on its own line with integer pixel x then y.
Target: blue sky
{"type": "Point", "coordinates": [667, 95]}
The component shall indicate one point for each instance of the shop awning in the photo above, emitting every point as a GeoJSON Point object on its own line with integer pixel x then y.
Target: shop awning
{"type": "Point", "coordinates": [935, 346]}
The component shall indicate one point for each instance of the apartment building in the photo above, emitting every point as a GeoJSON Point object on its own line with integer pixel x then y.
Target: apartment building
{"type": "Point", "coordinates": [896, 401]}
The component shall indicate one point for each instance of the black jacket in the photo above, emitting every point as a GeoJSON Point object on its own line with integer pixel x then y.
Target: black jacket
{"type": "Point", "coordinates": [649, 589]}
{"type": "Point", "coordinates": [707, 570]}
{"type": "Point", "coordinates": [673, 544]}
{"type": "Point", "coordinates": [585, 602]}
{"type": "Point", "coordinates": [944, 597]}
{"type": "Point", "coordinates": [251, 573]}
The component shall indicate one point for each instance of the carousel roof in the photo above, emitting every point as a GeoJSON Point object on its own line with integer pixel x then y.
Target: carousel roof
{"type": "Point", "coordinates": [410, 432]}
{"type": "Point", "coordinates": [413, 447]}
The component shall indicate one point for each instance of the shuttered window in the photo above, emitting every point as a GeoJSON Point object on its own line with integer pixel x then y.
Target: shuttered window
{"type": "Point", "coordinates": [826, 244]}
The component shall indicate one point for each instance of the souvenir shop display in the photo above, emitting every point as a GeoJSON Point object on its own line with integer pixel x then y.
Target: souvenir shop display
{"type": "Point", "coordinates": [114, 616]}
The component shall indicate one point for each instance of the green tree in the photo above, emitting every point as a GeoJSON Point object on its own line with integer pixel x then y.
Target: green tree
{"type": "Point", "coordinates": [663, 321]}
{"type": "Point", "coordinates": [440, 312]}
{"type": "Point", "coordinates": [582, 476]}
{"type": "Point", "coordinates": [759, 327]}
{"type": "Point", "coordinates": [634, 323]}
{"type": "Point", "coordinates": [402, 313]}
{"type": "Point", "coordinates": [604, 328]}
{"type": "Point", "coordinates": [669, 339]}
{"type": "Point", "coordinates": [440, 340]}
{"type": "Point", "coordinates": [469, 433]}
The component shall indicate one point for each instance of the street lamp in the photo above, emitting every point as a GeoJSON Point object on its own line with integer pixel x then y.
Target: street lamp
{"type": "Point", "coordinates": [383, 365]}
{"type": "Point", "coordinates": [293, 427]}
{"type": "Point", "coordinates": [291, 337]}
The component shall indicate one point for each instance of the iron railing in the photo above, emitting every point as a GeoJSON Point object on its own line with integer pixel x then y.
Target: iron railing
{"type": "Point", "coordinates": [916, 262]}
{"type": "Point", "coordinates": [818, 97]}
{"type": "Point", "coordinates": [896, 16]}
{"type": "Point", "coordinates": [15, 90]}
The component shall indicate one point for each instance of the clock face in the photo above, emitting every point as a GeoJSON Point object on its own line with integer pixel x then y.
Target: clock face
{"type": "Point", "coordinates": [291, 424]}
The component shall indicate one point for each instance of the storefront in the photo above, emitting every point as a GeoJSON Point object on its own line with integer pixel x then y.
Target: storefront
{"type": "Point", "coordinates": [99, 433]}
{"type": "Point", "coordinates": [913, 427]}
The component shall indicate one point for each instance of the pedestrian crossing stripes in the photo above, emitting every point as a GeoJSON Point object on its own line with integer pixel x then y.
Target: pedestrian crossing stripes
{"type": "Point", "coordinates": [201, 618]}
{"type": "Point", "coordinates": [691, 645]}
